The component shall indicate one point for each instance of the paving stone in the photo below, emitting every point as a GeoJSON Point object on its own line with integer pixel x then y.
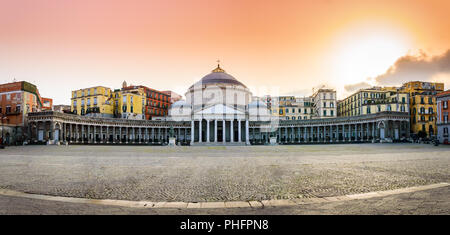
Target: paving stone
{"type": "Point", "coordinates": [194, 205]}
{"type": "Point", "coordinates": [256, 204]}
{"type": "Point", "coordinates": [213, 205]}
{"type": "Point", "coordinates": [236, 204]}
{"type": "Point", "coordinates": [175, 205]}
{"type": "Point", "coordinates": [277, 203]}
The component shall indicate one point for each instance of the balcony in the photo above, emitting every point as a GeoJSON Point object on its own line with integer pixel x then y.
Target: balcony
{"type": "Point", "coordinates": [13, 113]}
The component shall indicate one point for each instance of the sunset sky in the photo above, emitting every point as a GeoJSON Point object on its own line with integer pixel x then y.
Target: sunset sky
{"type": "Point", "coordinates": [274, 47]}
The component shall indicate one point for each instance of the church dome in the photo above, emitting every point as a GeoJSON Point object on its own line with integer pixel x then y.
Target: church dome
{"type": "Point", "coordinates": [218, 76]}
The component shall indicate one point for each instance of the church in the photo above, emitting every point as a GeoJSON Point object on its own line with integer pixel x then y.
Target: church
{"type": "Point", "coordinates": [219, 109]}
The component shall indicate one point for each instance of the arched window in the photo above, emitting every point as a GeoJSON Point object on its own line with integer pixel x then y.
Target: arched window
{"type": "Point", "coordinates": [430, 110]}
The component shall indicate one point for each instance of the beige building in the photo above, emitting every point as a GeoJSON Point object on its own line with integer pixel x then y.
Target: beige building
{"type": "Point", "coordinates": [324, 101]}
{"type": "Point", "coordinates": [374, 100]}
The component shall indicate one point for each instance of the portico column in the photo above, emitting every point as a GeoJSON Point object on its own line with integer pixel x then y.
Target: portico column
{"type": "Point", "coordinates": [350, 132]}
{"type": "Point", "coordinates": [192, 131]}
{"type": "Point", "coordinates": [231, 131]}
{"type": "Point", "coordinates": [215, 130]}
{"type": "Point", "coordinates": [88, 130]}
{"type": "Point", "coordinates": [224, 136]}
{"type": "Point", "coordinates": [200, 131]}
{"type": "Point", "coordinates": [373, 130]}
{"type": "Point", "coordinates": [304, 134]}
{"type": "Point", "coordinates": [247, 137]}
{"type": "Point", "coordinates": [239, 130]}
{"type": "Point", "coordinates": [207, 130]}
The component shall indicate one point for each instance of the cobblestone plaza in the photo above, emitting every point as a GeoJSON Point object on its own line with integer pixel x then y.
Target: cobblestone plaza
{"type": "Point", "coordinates": [220, 173]}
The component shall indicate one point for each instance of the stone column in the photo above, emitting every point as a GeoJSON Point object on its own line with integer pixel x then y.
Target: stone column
{"type": "Point", "coordinates": [224, 137]}
{"type": "Point", "coordinates": [231, 131]}
{"type": "Point", "coordinates": [152, 131]}
{"type": "Point", "coordinates": [88, 130]}
{"type": "Point", "coordinates": [247, 133]}
{"type": "Point", "coordinates": [200, 131]}
{"type": "Point", "coordinates": [239, 130]}
{"type": "Point", "coordinates": [215, 130]}
{"type": "Point", "coordinates": [192, 131]}
{"type": "Point", "coordinates": [207, 130]}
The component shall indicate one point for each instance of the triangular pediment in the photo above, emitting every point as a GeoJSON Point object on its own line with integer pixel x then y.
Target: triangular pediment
{"type": "Point", "coordinates": [219, 109]}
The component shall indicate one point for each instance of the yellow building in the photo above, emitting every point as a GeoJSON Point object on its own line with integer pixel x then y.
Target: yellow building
{"type": "Point", "coordinates": [423, 105]}
{"type": "Point", "coordinates": [94, 101]}
{"type": "Point", "coordinates": [129, 103]}
{"type": "Point", "coordinates": [374, 100]}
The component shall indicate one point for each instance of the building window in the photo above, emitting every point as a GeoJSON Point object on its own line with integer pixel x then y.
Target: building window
{"type": "Point", "coordinates": [95, 91]}
{"type": "Point", "coordinates": [18, 108]}
{"type": "Point", "coordinates": [332, 112]}
{"type": "Point", "coordinates": [89, 101]}
{"type": "Point", "coordinates": [388, 107]}
{"type": "Point", "coordinates": [89, 92]}
{"type": "Point", "coordinates": [324, 113]}
{"type": "Point", "coordinates": [74, 103]}
{"type": "Point", "coordinates": [430, 100]}
{"type": "Point", "coordinates": [430, 110]}
{"type": "Point", "coordinates": [95, 100]}
{"type": "Point", "coordinates": [324, 104]}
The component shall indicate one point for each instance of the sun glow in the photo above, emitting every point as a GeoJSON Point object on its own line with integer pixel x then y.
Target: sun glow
{"type": "Point", "coordinates": [366, 53]}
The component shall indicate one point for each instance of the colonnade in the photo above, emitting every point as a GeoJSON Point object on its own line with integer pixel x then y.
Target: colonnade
{"type": "Point", "coordinates": [219, 131]}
